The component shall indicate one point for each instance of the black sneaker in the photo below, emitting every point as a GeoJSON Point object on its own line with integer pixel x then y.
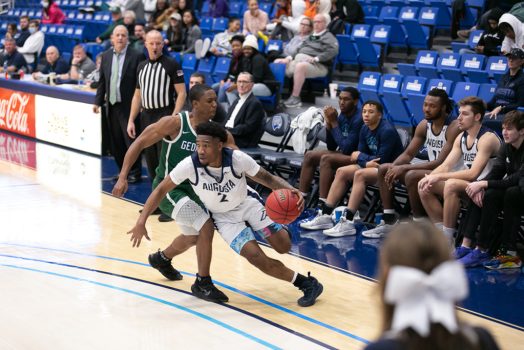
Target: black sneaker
{"type": "Point", "coordinates": [312, 289]}
{"type": "Point", "coordinates": [164, 266]}
{"type": "Point", "coordinates": [207, 291]}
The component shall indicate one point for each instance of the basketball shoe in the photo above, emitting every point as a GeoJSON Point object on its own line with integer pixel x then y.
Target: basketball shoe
{"type": "Point", "coordinates": [319, 222]}
{"type": "Point", "coordinates": [503, 262]}
{"type": "Point", "coordinates": [162, 264]}
{"type": "Point", "coordinates": [380, 230]}
{"type": "Point", "coordinates": [461, 252]}
{"type": "Point", "coordinates": [475, 258]}
{"type": "Point", "coordinates": [312, 288]}
{"type": "Point", "coordinates": [343, 228]}
{"type": "Point", "coordinates": [204, 288]}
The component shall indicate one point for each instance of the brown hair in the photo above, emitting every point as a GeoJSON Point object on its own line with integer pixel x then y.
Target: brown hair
{"type": "Point", "coordinates": [477, 105]}
{"type": "Point", "coordinates": [422, 246]}
{"type": "Point", "coordinates": [514, 118]}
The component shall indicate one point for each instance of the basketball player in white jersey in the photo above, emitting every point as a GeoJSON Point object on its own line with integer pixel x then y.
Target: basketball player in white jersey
{"type": "Point", "coordinates": [473, 152]}
{"type": "Point", "coordinates": [218, 177]}
{"type": "Point", "coordinates": [433, 132]}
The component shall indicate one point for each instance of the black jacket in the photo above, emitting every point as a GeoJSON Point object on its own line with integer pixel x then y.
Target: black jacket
{"type": "Point", "coordinates": [509, 92]}
{"type": "Point", "coordinates": [258, 66]}
{"type": "Point", "coordinates": [248, 128]}
{"type": "Point", "coordinates": [128, 79]}
{"type": "Point", "coordinates": [510, 162]}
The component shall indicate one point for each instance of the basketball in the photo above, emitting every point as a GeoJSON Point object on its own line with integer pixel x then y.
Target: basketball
{"type": "Point", "coordinates": [282, 207]}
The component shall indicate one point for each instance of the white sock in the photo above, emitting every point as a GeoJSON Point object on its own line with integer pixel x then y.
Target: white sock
{"type": "Point", "coordinates": [323, 200]}
{"type": "Point", "coordinates": [420, 219]}
{"type": "Point", "coordinates": [294, 277]}
{"type": "Point", "coordinates": [449, 232]}
{"type": "Point", "coordinates": [389, 211]}
{"type": "Point", "coordinates": [439, 225]}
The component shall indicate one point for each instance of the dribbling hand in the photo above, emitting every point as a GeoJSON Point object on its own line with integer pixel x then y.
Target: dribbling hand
{"type": "Point", "coordinates": [300, 202]}
{"type": "Point", "coordinates": [138, 232]}
{"type": "Point", "coordinates": [120, 187]}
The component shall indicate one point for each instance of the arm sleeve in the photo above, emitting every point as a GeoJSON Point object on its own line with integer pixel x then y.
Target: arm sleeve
{"type": "Point", "coordinates": [31, 45]}
{"type": "Point", "coordinates": [242, 163]}
{"type": "Point", "coordinates": [183, 171]}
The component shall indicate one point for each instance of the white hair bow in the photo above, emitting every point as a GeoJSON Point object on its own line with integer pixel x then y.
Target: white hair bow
{"type": "Point", "coordinates": [421, 299]}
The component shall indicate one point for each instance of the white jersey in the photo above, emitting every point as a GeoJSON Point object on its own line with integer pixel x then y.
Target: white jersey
{"type": "Point", "coordinates": [435, 143]}
{"type": "Point", "coordinates": [469, 154]}
{"type": "Point", "coordinates": [220, 189]}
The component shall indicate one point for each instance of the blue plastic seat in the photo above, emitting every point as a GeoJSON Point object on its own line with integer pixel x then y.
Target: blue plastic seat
{"type": "Point", "coordinates": [206, 66]}
{"type": "Point", "coordinates": [396, 110]}
{"type": "Point", "coordinates": [448, 65]}
{"type": "Point", "coordinates": [426, 64]}
{"type": "Point", "coordinates": [279, 71]}
{"type": "Point", "coordinates": [414, 90]}
{"type": "Point", "coordinates": [221, 69]}
{"type": "Point", "coordinates": [440, 84]}
{"type": "Point", "coordinates": [274, 45]}
{"type": "Point", "coordinates": [407, 69]}
{"type": "Point", "coordinates": [220, 24]}
{"type": "Point", "coordinates": [472, 66]}
{"type": "Point", "coordinates": [206, 25]}
{"type": "Point", "coordinates": [487, 91]}
{"type": "Point", "coordinates": [388, 12]}
{"type": "Point", "coordinates": [496, 67]}
{"type": "Point", "coordinates": [418, 35]}
{"type": "Point", "coordinates": [347, 53]}
{"type": "Point", "coordinates": [189, 64]}
{"type": "Point", "coordinates": [464, 89]}
{"type": "Point", "coordinates": [368, 86]}
{"type": "Point", "coordinates": [360, 31]}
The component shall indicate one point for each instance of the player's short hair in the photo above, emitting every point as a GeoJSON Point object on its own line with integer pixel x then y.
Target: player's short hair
{"type": "Point", "coordinates": [514, 118]}
{"type": "Point", "coordinates": [477, 105]}
{"type": "Point", "coordinates": [212, 129]}
{"type": "Point", "coordinates": [199, 75]}
{"type": "Point", "coordinates": [198, 91]}
{"type": "Point", "coordinates": [352, 91]}
{"type": "Point", "coordinates": [377, 104]}
{"type": "Point", "coordinates": [444, 98]}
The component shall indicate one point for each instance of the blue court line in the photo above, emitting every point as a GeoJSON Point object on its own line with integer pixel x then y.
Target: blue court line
{"type": "Point", "coordinates": [233, 289]}
{"type": "Point", "coordinates": [150, 297]}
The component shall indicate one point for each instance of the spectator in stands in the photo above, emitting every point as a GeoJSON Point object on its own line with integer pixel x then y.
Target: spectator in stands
{"type": "Point", "coordinates": [139, 37]}
{"type": "Point", "coordinates": [491, 39]}
{"type": "Point", "coordinates": [221, 44]}
{"type": "Point", "coordinates": [137, 6]}
{"type": "Point", "coordinates": [473, 153]}
{"type": "Point", "coordinates": [291, 47]}
{"type": "Point", "coordinates": [81, 65]}
{"type": "Point", "coordinates": [379, 143]}
{"type": "Point", "coordinates": [117, 19]}
{"type": "Point", "coordinates": [419, 284]}
{"type": "Point", "coordinates": [173, 38]}
{"type": "Point", "coordinates": [33, 45]}
{"type": "Point", "coordinates": [509, 94]}
{"type": "Point", "coordinates": [349, 11]}
{"type": "Point", "coordinates": [234, 69]}
{"type": "Point", "coordinates": [500, 190]}
{"type": "Point", "coordinates": [162, 21]}
{"type": "Point", "coordinates": [117, 82]}
{"type": "Point", "coordinates": [93, 79]}
{"type": "Point", "coordinates": [513, 29]}
{"type": "Point", "coordinates": [190, 32]}
{"type": "Point", "coordinates": [297, 13]}
{"type": "Point", "coordinates": [482, 23]}
{"type": "Point", "coordinates": [183, 5]}
{"type": "Point", "coordinates": [23, 34]}
{"type": "Point", "coordinates": [12, 31]}
{"type": "Point", "coordinates": [436, 133]}
{"type": "Point", "coordinates": [11, 60]}
{"type": "Point", "coordinates": [129, 21]}
{"type": "Point", "coordinates": [313, 59]}
{"type": "Point", "coordinates": [246, 114]}
{"type": "Point", "coordinates": [275, 27]}
{"type": "Point", "coordinates": [53, 63]}
{"type": "Point", "coordinates": [315, 7]}
{"type": "Point", "coordinates": [196, 79]}
{"type": "Point", "coordinates": [341, 138]}
{"type": "Point", "coordinates": [255, 20]}
{"type": "Point", "coordinates": [256, 64]}
{"type": "Point", "coordinates": [51, 13]}
{"type": "Point", "coordinates": [218, 8]}
{"type": "Point", "coordinates": [160, 7]}
{"type": "Point", "coordinates": [149, 9]}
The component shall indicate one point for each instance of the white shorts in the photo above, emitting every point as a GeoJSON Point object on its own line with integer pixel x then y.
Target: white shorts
{"type": "Point", "coordinates": [233, 228]}
{"type": "Point", "coordinates": [189, 216]}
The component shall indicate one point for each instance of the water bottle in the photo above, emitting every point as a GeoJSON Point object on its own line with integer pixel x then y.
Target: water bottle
{"type": "Point", "coordinates": [378, 218]}
{"type": "Point", "coordinates": [5, 69]}
{"type": "Point", "coordinates": [80, 77]}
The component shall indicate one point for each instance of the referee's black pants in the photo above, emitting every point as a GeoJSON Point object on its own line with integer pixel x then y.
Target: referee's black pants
{"type": "Point", "coordinates": [511, 201]}
{"type": "Point", "coordinates": [119, 139]}
{"type": "Point", "coordinates": [152, 153]}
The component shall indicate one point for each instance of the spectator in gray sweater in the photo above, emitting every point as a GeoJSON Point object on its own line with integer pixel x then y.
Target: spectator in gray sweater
{"type": "Point", "coordinates": [313, 59]}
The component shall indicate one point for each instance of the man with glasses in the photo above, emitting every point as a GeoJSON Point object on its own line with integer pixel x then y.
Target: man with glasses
{"type": "Point", "coordinates": [246, 114]}
{"type": "Point", "coordinates": [312, 60]}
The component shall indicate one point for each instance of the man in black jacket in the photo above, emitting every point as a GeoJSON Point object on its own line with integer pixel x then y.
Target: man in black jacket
{"type": "Point", "coordinates": [246, 115]}
{"type": "Point", "coordinates": [116, 87]}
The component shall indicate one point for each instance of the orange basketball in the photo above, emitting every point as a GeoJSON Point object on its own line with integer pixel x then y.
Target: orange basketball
{"type": "Point", "coordinates": [281, 206]}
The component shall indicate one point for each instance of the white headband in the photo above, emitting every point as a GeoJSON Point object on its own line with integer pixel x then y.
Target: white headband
{"type": "Point", "coordinates": [422, 299]}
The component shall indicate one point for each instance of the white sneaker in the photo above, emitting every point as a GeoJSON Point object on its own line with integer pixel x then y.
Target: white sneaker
{"type": "Point", "coordinates": [206, 44]}
{"type": "Point", "coordinates": [343, 228]}
{"type": "Point", "coordinates": [380, 231]}
{"type": "Point", "coordinates": [320, 222]}
{"type": "Point", "coordinates": [356, 218]}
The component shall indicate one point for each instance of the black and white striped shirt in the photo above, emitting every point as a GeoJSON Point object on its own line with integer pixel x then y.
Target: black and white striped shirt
{"type": "Point", "coordinates": [156, 79]}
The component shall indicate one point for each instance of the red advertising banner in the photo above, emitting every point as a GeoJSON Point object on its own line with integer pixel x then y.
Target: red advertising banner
{"type": "Point", "coordinates": [17, 112]}
{"type": "Point", "coordinates": [18, 150]}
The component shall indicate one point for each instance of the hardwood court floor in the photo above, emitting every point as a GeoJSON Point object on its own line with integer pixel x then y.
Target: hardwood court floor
{"type": "Point", "coordinates": [70, 279]}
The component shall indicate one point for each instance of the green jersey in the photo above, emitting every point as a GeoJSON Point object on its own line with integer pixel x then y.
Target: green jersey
{"type": "Point", "coordinates": [172, 153]}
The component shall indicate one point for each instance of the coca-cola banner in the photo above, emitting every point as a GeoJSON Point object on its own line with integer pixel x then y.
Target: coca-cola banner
{"type": "Point", "coordinates": [17, 112]}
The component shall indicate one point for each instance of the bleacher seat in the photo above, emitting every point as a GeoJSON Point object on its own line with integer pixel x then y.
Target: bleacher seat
{"type": "Point", "coordinates": [396, 110]}
{"type": "Point", "coordinates": [370, 14]}
{"type": "Point", "coordinates": [428, 17]}
{"type": "Point", "coordinates": [220, 24]}
{"type": "Point", "coordinates": [206, 25]}
{"type": "Point", "coordinates": [407, 69]}
{"type": "Point", "coordinates": [414, 89]}
{"type": "Point", "coordinates": [221, 69]}
{"type": "Point", "coordinates": [472, 63]}
{"type": "Point", "coordinates": [448, 65]}
{"type": "Point", "coordinates": [236, 9]}
{"type": "Point", "coordinates": [440, 84]}
{"type": "Point", "coordinates": [279, 71]}
{"type": "Point", "coordinates": [496, 67]}
{"type": "Point", "coordinates": [380, 35]}
{"type": "Point", "coordinates": [368, 86]}
{"type": "Point", "coordinates": [487, 91]}
{"type": "Point", "coordinates": [464, 89]}
{"type": "Point", "coordinates": [274, 45]}
{"type": "Point", "coordinates": [360, 31]}
{"type": "Point", "coordinates": [206, 66]}
{"type": "Point", "coordinates": [443, 15]}
{"type": "Point", "coordinates": [418, 36]}
{"type": "Point", "coordinates": [189, 64]}
{"type": "Point", "coordinates": [388, 12]}
{"type": "Point", "coordinates": [474, 38]}
{"type": "Point", "coordinates": [426, 64]}
{"type": "Point", "coordinates": [347, 53]}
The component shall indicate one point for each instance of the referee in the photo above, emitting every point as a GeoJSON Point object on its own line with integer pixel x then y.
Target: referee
{"type": "Point", "coordinates": [158, 78]}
